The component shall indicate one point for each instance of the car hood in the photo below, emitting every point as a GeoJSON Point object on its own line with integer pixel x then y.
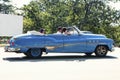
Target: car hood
{"type": "Point", "coordinates": [94, 35]}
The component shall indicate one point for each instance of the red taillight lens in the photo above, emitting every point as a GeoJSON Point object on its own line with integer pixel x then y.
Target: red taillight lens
{"type": "Point", "coordinates": [12, 43]}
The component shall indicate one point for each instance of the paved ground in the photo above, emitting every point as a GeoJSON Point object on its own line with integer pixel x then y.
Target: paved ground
{"type": "Point", "coordinates": [60, 67]}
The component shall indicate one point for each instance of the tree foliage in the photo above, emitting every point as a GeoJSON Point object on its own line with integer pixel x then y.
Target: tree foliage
{"type": "Point", "coordinates": [93, 15]}
{"type": "Point", "coordinates": [6, 7]}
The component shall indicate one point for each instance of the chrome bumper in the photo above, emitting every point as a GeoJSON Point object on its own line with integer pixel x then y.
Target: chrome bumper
{"type": "Point", "coordinates": [113, 48]}
{"type": "Point", "coordinates": [9, 49]}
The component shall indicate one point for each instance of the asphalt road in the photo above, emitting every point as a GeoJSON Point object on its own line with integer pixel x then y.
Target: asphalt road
{"type": "Point", "coordinates": [60, 67]}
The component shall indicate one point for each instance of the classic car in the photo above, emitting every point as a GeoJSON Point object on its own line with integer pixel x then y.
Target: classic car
{"type": "Point", "coordinates": [33, 44]}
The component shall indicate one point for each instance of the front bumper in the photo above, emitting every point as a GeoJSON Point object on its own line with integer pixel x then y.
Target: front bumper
{"type": "Point", "coordinates": [113, 48]}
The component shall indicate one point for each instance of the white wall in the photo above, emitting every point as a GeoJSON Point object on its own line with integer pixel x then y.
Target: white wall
{"type": "Point", "coordinates": [10, 25]}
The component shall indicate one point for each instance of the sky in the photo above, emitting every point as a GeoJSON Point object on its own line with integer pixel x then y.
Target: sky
{"type": "Point", "coordinates": [115, 5]}
{"type": "Point", "coordinates": [20, 3]}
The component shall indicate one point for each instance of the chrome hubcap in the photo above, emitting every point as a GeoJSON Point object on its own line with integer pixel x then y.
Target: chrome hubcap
{"type": "Point", "coordinates": [101, 50]}
{"type": "Point", "coordinates": [35, 52]}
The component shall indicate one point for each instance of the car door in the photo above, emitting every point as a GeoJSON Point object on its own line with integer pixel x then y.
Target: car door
{"type": "Point", "coordinates": [54, 43]}
{"type": "Point", "coordinates": [74, 43]}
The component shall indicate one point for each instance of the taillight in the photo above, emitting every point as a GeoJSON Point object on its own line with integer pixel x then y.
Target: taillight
{"type": "Point", "coordinates": [12, 43]}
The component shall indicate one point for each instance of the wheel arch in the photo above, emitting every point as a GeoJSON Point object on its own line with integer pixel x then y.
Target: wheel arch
{"type": "Point", "coordinates": [102, 45]}
{"type": "Point", "coordinates": [42, 49]}
{"type": "Point", "coordinates": [35, 52]}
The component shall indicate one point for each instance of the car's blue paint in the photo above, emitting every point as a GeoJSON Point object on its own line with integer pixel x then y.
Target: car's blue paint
{"type": "Point", "coordinates": [79, 43]}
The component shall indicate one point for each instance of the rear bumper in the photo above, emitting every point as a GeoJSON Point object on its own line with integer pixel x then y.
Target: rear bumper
{"type": "Point", "coordinates": [10, 49]}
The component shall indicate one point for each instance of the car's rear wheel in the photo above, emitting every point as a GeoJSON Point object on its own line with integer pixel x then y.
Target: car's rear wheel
{"type": "Point", "coordinates": [101, 51]}
{"type": "Point", "coordinates": [34, 53]}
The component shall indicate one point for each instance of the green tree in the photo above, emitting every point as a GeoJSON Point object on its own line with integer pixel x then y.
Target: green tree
{"type": "Point", "coordinates": [98, 14]}
{"type": "Point", "coordinates": [32, 18]}
{"type": "Point", "coordinates": [6, 7]}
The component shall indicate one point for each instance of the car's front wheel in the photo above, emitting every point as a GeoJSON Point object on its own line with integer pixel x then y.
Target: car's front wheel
{"type": "Point", "coordinates": [101, 51]}
{"type": "Point", "coordinates": [34, 53]}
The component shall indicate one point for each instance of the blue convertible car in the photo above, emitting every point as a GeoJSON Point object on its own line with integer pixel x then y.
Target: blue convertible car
{"type": "Point", "coordinates": [33, 44]}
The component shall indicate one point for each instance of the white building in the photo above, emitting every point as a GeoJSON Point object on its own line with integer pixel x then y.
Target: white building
{"type": "Point", "coordinates": [10, 25]}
